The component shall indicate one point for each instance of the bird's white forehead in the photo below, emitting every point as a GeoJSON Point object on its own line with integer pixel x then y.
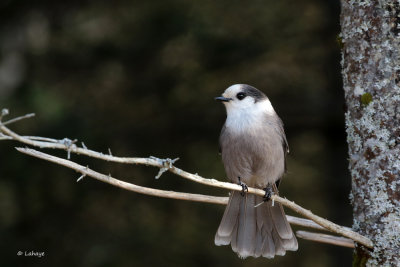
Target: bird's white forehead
{"type": "Point", "coordinates": [232, 90]}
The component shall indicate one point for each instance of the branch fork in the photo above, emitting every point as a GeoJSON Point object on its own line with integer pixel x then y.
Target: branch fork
{"type": "Point", "coordinates": [166, 165]}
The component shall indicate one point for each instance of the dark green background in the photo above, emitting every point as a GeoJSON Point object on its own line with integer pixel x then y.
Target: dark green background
{"type": "Point", "coordinates": [139, 77]}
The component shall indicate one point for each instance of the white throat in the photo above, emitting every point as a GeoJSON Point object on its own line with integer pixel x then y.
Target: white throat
{"type": "Point", "coordinates": [247, 116]}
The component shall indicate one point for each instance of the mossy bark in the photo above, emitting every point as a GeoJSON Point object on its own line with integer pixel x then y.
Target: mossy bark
{"type": "Point", "coordinates": [371, 79]}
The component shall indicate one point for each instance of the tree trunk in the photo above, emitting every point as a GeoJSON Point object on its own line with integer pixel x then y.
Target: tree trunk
{"type": "Point", "coordinates": [371, 78]}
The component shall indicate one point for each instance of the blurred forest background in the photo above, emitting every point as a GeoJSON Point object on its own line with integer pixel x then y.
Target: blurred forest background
{"type": "Point", "coordinates": [139, 77]}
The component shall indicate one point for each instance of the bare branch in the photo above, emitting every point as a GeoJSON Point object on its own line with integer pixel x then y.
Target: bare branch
{"type": "Point", "coordinates": [4, 112]}
{"type": "Point", "coordinates": [328, 239]}
{"type": "Point", "coordinates": [162, 193]}
{"type": "Point", "coordinates": [85, 171]}
{"type": "Point", "coordinates": [305, 223]}
{"type": "Point", "coordinates": [38, 138]}
{"type": "Point", "coordinates": [27, 116]}
{"type": "Point", "coordinates": [5, 137]}
{"type": "Point", "coordinates": [118, 183]}
{"type": "Point", "coordinates": [73, 148]}
{"type": "Point", "coordinates": [325, 223]}
{"type": "Point", "coordinates": [164, 165]}
{"type": "Point", "coordinates": [155, 192]}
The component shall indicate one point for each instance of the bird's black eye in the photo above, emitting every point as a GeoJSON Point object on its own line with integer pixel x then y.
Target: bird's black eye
{"type": "Point", "coordinates": [240, 95]}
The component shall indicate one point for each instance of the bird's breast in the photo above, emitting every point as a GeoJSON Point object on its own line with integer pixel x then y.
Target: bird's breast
{"type": "Point", "coordinates": [256, 155]}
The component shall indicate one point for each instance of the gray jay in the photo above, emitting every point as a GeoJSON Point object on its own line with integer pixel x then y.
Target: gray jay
{"type": "Point", "coordinates": [253, 147]}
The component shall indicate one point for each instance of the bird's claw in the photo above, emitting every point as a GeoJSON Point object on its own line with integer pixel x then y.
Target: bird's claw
{"type": "Point", "coordinates": [268, 193]}
{"type": "Point", "coordinates": [245, 189]}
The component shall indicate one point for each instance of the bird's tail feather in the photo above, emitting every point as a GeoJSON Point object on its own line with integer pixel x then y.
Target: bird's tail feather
{"type": "Point", "coordinates": [262, 231]}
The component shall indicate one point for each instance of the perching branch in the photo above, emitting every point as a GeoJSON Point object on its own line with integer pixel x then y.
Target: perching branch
{"type": "Point", "coordinates": [85, 171]}
{"type": "Point", "coordinates": [164, 165]}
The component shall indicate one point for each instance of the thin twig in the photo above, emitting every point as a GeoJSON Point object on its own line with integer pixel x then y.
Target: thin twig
{"type": "Point", "coordinates": [5, 137]}
{"type": "Point", "coordinates": [38, 138]}
{"type": "Point", "coordinates": [328, 239]}
{"type": "Point", "coordinates": [81, 177]}
{"type": "Point", "coordinates": [305, 223]}
{"type": "Point", "coordinates": [27, 116]}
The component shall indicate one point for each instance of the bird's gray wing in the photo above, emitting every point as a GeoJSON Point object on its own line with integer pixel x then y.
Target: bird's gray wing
{"type": "Point", "coordinates": [285, 145]}
{"type": "Point", "coordinates": [284, 140]}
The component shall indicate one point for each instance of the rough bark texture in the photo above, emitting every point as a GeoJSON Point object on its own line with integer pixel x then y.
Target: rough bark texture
{"type": "Point", "coordinates": [371, 76]}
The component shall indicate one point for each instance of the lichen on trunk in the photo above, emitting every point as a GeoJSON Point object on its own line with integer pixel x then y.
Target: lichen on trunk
{"type": "Point", "coordinates": [371, 80]}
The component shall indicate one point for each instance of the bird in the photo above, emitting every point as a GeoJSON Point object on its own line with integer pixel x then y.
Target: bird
{"type": "Point", "coordinates": [253, 147]}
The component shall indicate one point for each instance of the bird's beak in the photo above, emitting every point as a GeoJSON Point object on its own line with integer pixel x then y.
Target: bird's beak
{"type": "Point", "coordinates": [223, 99]}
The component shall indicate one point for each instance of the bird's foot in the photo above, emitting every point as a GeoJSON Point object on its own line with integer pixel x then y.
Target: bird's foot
{"type": "Point", "coordinates": [268, 193]}
{"type": "Point", "coordinates": [245, 189]}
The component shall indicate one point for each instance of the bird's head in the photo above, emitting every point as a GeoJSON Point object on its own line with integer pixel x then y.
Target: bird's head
{"type": "Point", "coordinates": [242, 99]}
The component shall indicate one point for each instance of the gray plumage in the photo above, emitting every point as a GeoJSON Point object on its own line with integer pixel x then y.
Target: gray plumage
{"type": "Point", "coordinates": [253, 147]}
